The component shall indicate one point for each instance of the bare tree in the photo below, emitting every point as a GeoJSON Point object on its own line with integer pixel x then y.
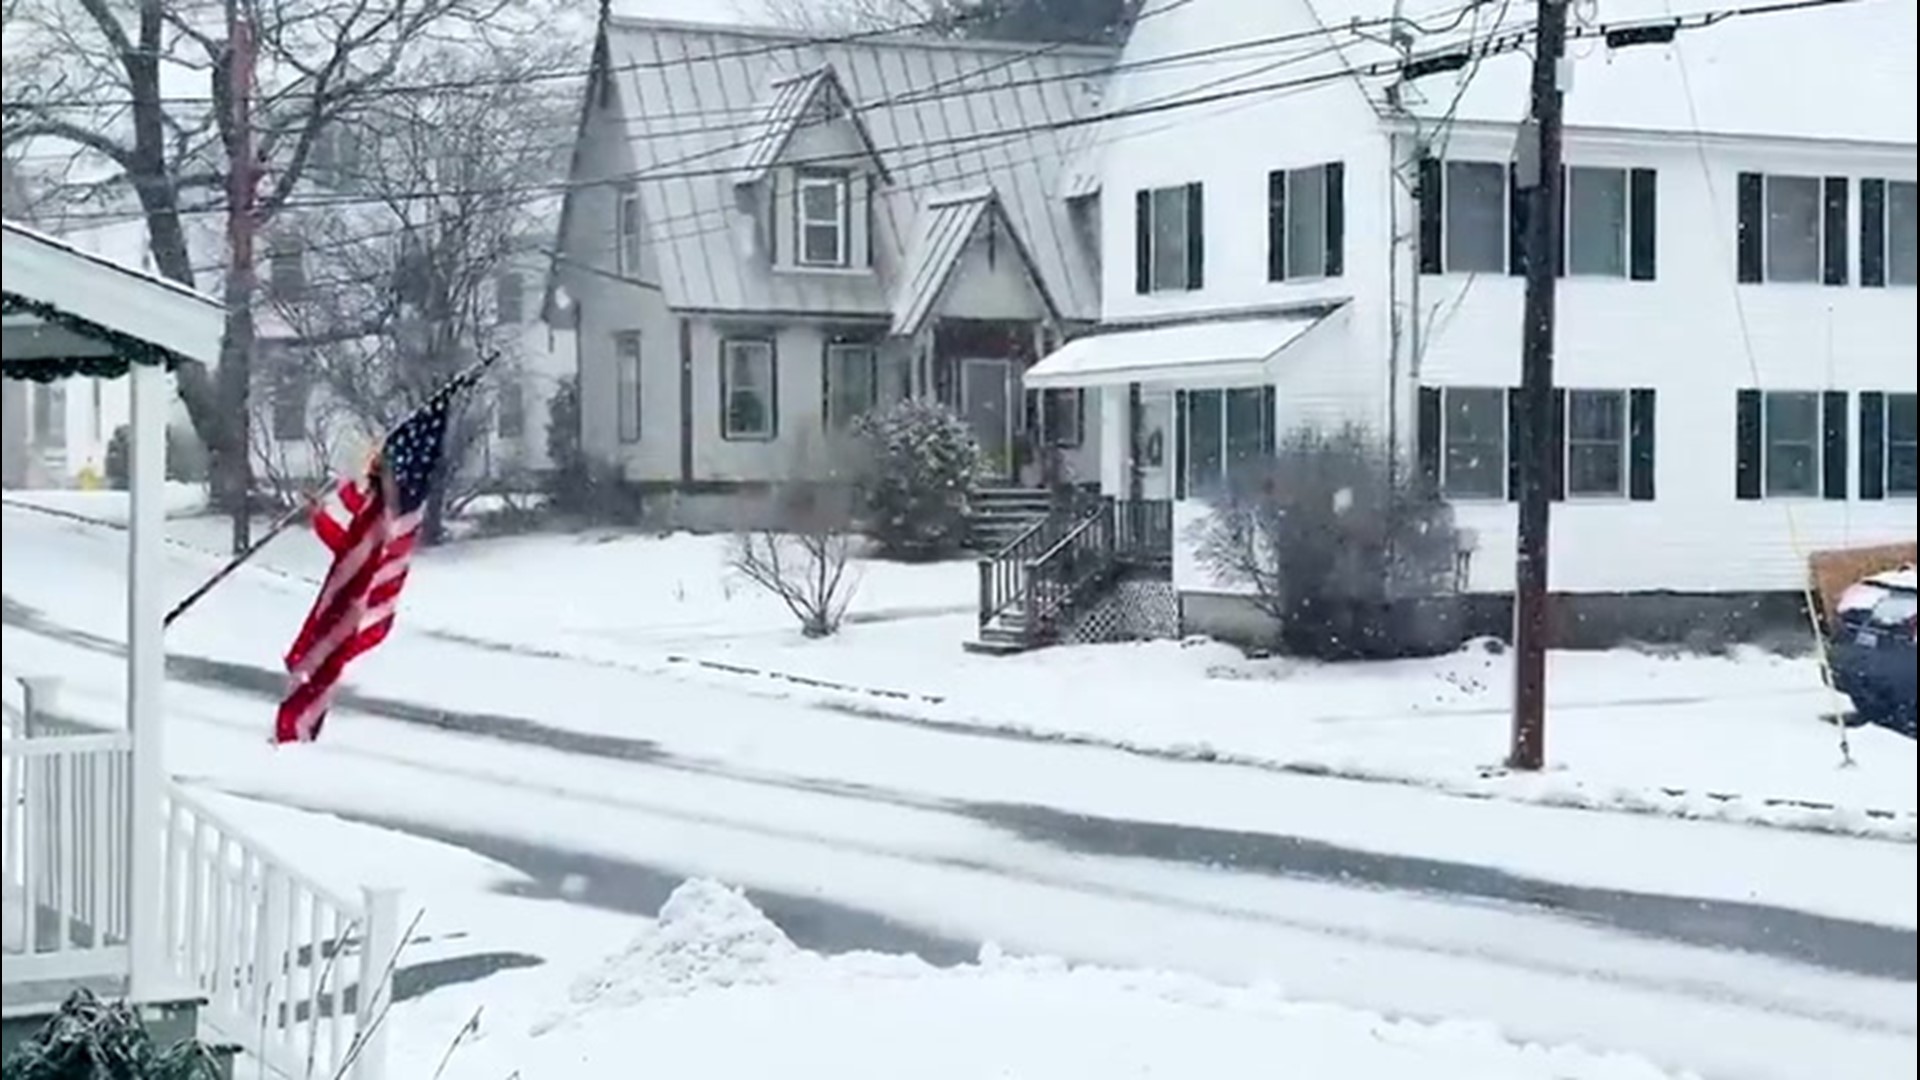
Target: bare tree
{"type": "Point", "coordinates": [139, 91]}
{"type": "Point", "coordinates": [806, 557]}
{"type": "Point", "coordinates": [1011, 20]}
{"type": "Point", "coordinates": [456, 196]}
{"type": "Point", "coordinates": [1332, 547]}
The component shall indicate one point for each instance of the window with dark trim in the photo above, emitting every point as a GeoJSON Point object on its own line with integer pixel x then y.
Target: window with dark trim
{"type": "Point", "coordinates": [822, 218]}
{"type": "Point", "coordinates": [1888, 466]}
{"type": "Point", "coordinates": [1903, 451]}
{"type": "Point", "coordinates": [627, 386]}
{"type": "Point", "coordinates": [291, 388]}
{"type": "Point", "coordinates": [287, 267]}
{"type": "Point", "coordinates": [509, 298]}
{"type": "Point", "coordinates": [1792, 229]}
{"type": "Point", "coordinates": [1474, 222]}
{"type": "Point", "coordinates": [749, 390]}
{"type": "Point", "coordinates": [853, 381]}
{"type": "Point", "coordinates": [1603, 442]}
{"type": "Point", "coordinates": [627, 247]}
{"type": "Point", "coordinates": [1229, 439]}
{"type": "Point", "coordinates": [1306, 222]}
{"type": "Point", "coordinates": [1063, 418]}
{"type": "Point", "coordinates": [1887, 232]}
{"type": "Point", "coordinates": [1596, 433]}
{"type": "Point", "coordinates": [1169, 239]}
{"type": "Point", "coordinates": [1473, 219]}
{"type": "Point", "coordinates": [510, 409]}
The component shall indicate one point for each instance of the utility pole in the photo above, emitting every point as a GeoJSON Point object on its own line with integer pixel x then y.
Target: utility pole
{"type": "Point", "coordinates": [236, 349]}
{"type": "Point", "coordinates": [1539, 167]}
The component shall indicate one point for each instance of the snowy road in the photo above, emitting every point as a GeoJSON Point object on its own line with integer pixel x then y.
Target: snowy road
{"type": "Point", "coordinates": [1690, 943]}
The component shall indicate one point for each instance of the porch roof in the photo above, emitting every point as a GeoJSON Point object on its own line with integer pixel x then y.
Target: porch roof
{"type": "Point", "coordinates": [68, 312]}
{"type": "Point", "coordinates": [1212, 351]}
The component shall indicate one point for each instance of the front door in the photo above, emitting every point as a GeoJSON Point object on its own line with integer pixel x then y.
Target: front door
{"type": "Point", "coordinates": [986, 401]}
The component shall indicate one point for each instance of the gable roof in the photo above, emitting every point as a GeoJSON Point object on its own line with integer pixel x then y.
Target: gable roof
{"type": "Point", "coordinates": [794, 99]}
{"type": "Point", "coordinates": [695, 99]}
{"type": "Point", "coordinates": [1722, 79]}
{"type": "Point", "coordinates": [947, 224]}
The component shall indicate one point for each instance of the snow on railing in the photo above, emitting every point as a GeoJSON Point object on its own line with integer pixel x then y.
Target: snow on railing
{"type": "Point", "coordinates": [67, 853]}
{"type": "Point", "coordinates": [283, 961]}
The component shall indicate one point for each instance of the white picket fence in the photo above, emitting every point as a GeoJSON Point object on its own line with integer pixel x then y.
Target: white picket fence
{"type": "Point", "coordinates": [281, 961]}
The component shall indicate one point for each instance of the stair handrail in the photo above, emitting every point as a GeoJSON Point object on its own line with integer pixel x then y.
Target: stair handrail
{"type": "Point", "coordinates": [1003, 581]}
{"type": "Point", "coordinates": [1093, 534]}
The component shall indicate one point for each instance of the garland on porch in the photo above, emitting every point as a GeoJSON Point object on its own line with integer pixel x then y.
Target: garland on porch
{"type": "Point", "coordinates": [90, 1039]}
{"type": "Point", "coordinates": [126, 349]}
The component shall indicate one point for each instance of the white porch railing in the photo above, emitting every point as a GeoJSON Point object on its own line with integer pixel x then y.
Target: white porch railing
{"type": "Point", "coordinates": [281, 961]}
{"type": "Point", "coordinates": [65, 834]}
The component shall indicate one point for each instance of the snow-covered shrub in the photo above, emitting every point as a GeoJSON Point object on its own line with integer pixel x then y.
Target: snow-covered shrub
{"type": "Point", "coordinates": [920, 461]}
{"type": "Point", "coordinates": [577, 485]}
{"type": "Point", "coordinates": [96, 1040]}
{"type": "Point", "coordinates": [1348, 557]}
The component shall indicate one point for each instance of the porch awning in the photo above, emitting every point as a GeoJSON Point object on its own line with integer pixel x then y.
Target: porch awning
{"type": "Point", "coordinates": [67, 312]}
{"type": "Point", "coordinates": [1216, 351]}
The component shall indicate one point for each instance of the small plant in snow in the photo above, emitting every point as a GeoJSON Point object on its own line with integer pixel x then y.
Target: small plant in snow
{"type": "Point", "coordinates": [807, 562]}
{"type": "Point", "coordinates": [1330, 543]}
{"type": "Point", "coordinates": [90, 1039]}
{"type": "Point", "coordinates": [921, 462]}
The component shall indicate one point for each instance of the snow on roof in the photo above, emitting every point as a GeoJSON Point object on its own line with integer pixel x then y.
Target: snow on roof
{"type": "Point", "coordinates": [1216, 350]}
{"type": "Point", "coordinates": [1840, 71]}
{"type": "Point", "coordinates": [111, 296]}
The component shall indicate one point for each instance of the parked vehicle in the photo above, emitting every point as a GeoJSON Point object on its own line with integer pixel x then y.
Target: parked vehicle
{"type": "Point", "coordinates": [1872, 651]}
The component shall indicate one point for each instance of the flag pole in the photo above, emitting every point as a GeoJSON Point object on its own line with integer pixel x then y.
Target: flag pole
{"type": "Point", "coordinates": [286, 520]}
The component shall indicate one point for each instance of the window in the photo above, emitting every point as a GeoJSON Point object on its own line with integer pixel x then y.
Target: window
{"type": "Point", "coordinates": [627, 254]}
{"type": "Point", "coordinates": [1063, 418]}
{"type": "Point", "coordinates": [290, 387]}
{"type": "Point", "coordinates": [748, 401]}
{"type": "Point", "coordinates": [1886, 232]}
{"type": "Point", "coordinates": [287, 267]}
{"type": "Point", "coordinates": [1229, 439]}
{"type": "Point", "coordinates": [1793, 228]}
{"type": "Point", "coordinates": [1169, 237]}
{"type": "Point", "coordinates": [1475, 221]}
{"type": "Point", "coordinates": [626, 361]}
{"type": "Point", "coordinates": [50, 414]}
{"type": "Point", "coordinates": [822, 219]}
{"type": "Point", "coordinates": [1790, 437]}
{"type": "Point", "coordinates": [1903, 472]}
{"type": "Point", "coordinates": [1305, 222]}
{"type": "Point", "coordinates": [1473, 433]}
{"type": "Point", "coordinates": [1596, 443]}
{"type": "Point", "coordinates": [509, 298]}
{"type": "Point", "coordinates": [510, 410]}
{"type": "Point", "coordinates": [1597, 222]}
{"type": "Point", "coordinates": [853, 382]}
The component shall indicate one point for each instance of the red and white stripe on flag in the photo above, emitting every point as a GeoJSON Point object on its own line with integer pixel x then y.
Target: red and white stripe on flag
{"type": "Point", "coordinates": [372, 548]}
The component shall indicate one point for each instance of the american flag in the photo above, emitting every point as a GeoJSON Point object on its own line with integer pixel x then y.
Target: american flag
{"type": "Point", "coordinates": [370, 524]}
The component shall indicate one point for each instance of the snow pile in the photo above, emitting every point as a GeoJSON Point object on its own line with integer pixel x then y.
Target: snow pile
{"type": "Point", "coordinates": [718, 992]}
{"type": "Point", "coordinates": [707, 936]}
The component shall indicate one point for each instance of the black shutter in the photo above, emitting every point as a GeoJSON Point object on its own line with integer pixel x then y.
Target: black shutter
{"type": "Point", "coordinates": [1873, 442]}
{"type": "Point", "coordinates": [1752, 222]}
{"type": "Point", "coordinates": [1747, 447]}
{"type": "Point", "coordinates": [1196, 238]}
{"type": "Point", "coordinates": [1560, 228]}
{"type": "Point", "coordinates": [1516, 440]}
{"type": "Point", "coordinates": [1427, 440]}
{"type": "Point", "coordinates": [1518, 207]}
{"type": "Point", "coordinates": [1179, 455]}
{"type": "Point", "coordinates": [1557, 464]}
{"type": "Point", "coordinates": [1277, 225]}
{"type": "Point", "coordinates": [1873, 233]}
{"type": "Point", "coordinates": [1834, 232]}
{"type": "Point", "coordinates": [1269, 399]}
{"type": "Point", "coordinates": [1643, 215]}
{"type": "Point", "coordinates": [1640, 444]}
{"type": "Point", "coordinates": [1432, 204]}
{"type": "Point", "coordinates": [1143, 241]}
{"type": "Point", "coordinates": [1833, 444]}
{"type": "Point", "coordinates": [1336, 218]}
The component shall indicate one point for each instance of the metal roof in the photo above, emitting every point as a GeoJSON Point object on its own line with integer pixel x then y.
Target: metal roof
{"type": "Point", "coordinates": [793, 99]}
{"type": "Point", "coordinates": [701, 106]}
{"type": "Point", "coordinates": [946, 225]}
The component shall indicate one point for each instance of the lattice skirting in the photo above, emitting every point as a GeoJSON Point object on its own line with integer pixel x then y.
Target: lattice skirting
{"type": "Point", "coordinates": [1132, 610]}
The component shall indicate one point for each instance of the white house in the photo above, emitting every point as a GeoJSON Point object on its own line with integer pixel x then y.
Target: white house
{"type": "Point", "coordinates": [848, 222]}
{"type": "Point", "coordinates": [1317, 237]}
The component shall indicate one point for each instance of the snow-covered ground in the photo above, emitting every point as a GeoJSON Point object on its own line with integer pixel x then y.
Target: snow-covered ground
{"type": "Point", "coordinates": [601, 775]}
{"type": "Point", "coordinates": [1736, 738]}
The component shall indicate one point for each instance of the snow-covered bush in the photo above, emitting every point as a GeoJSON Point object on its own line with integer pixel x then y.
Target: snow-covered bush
{"type": "Point", "coordinates": [578, 486]}
{"type": "Point", "coordinates": [920, 461]}
{"type": "Point", "coordinates": [1348, 558]}
{"type": "Point", "coordinates": [89, 1039]}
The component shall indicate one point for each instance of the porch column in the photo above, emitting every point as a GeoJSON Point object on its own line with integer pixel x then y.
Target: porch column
{"type": "Point", "coordinates": [146, 676]}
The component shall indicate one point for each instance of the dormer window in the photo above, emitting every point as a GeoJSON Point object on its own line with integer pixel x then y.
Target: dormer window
{"type": "Point", "coordinates": [822, 219]}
